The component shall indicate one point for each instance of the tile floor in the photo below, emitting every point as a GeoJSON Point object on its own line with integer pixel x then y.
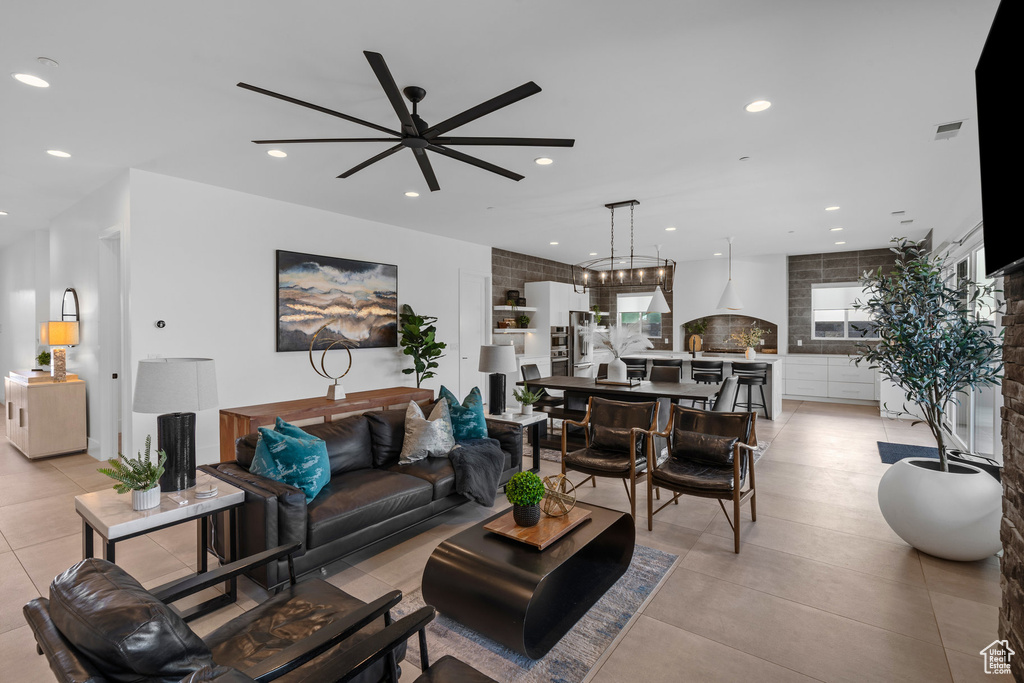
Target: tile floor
{"type": "Point", "coordinates": [822, 589]}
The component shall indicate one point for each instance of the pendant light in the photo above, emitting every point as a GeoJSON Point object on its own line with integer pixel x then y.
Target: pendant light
{"type": "Point", "coordinates": [730, 300]}
{"type": "Point", "coordinates": [658, 302]}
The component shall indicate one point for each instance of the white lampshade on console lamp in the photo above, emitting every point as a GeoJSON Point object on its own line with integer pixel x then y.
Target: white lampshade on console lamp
{"type": "Point", "coordinates": [730, 299]}
{"type": "Point", "coordinates": [497, 360]}
{"type": "Point", "coordinates": [60, 334]}
{"type": "Point", "coordinates": [175, 387]}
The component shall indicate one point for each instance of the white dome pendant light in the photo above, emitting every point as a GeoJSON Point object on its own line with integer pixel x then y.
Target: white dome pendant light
{"type": "Point", "coordinates": [730, 300]}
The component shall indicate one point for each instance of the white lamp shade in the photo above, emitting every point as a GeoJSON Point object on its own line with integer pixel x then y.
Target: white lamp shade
{"type": "Point", "coordinates": [495, 358]}
{"type": "Point", "coordinates": [61, 333]}
{"type": "Point", "coordinates": [658, 302]}
{"type": "Point", "coordinates": [730, 300]}
{"type": "Point", "coordinates": [175, 385]}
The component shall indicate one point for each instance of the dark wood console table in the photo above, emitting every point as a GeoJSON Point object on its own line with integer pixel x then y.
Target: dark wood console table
{"type": "Point", "coordinates": [237, 422]}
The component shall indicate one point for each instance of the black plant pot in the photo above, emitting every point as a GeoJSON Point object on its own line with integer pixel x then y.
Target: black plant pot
{"type": "Point", "coordinates": [526, 515]}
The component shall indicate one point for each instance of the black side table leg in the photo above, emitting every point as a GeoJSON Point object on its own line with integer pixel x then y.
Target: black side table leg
{"type": "Point", "coordinates": [202, 529]}
{"type": "Point", "coordinates": [87, 548]}
{"type": "Point", "coordinates": [108, 551]}
{"type": "Point", "coordinates": [535, 437]}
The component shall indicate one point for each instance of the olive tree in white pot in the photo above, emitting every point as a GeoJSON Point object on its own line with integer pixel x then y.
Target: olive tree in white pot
{"type": "Point", "coordinates": [933, 345]}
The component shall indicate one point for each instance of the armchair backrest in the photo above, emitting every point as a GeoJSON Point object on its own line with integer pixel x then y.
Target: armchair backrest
{"type": "Point", "coordinates": [530, 371]}
{"type": "Point", "coordinates": [610, 422]}
{"type": "Point", "coordinates": [708, 436]}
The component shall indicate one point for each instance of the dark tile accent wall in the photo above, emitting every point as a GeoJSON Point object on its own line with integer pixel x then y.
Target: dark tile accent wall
{"type": "Point", "coordinates": [808, 269]}
{"type": "Point", "coordinates": [511, 270]}
{"type": "Point", "coordinates": [718, 336]}
{"type": "Point", "coordinates": [607, 298]}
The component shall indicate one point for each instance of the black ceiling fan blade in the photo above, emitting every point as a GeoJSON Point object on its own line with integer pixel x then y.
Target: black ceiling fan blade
{"type": "Point", "coordinates": [387, 81]}
{"type": "Point", "coordinates": [372, 160]}
{"type": "Point", "coordinates": [305, 140]}
{"type": "Point", "coordinates": [317, 107]}
{"type": "Point", "coordinates": [516, 142]}
{"type": "Point", "coordinates": [482, 109]}
{"type": "Point", "coordinates": [473, 161]}
{"type": "Point", "coordinates": [426, 168]}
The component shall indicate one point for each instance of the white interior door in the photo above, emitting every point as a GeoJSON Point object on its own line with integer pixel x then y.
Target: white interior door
{"type": "Point", "coordinates": [474, 328]}
{"type": "Point", "coordinates": [110, 328]}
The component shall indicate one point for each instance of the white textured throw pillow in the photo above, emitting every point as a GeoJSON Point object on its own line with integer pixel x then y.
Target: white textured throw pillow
{"type": "Point", "coordinates": [424, 437]}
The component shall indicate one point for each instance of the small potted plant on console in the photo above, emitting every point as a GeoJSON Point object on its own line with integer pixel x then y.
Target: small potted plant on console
{"type": "Point", "coordinates": [139, 475]}
{"type": "Point", "coordinates": [526, 399]}
{"type": "Point", "coordinates": [525, 490]}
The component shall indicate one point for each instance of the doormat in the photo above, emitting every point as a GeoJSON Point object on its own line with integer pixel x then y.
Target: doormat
{"type": "Point", "coordinates": [891, 453]}
{"type": "Point", "coordinates": [575, 654]}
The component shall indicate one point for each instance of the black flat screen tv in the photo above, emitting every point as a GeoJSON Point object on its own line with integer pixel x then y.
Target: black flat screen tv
{"type": "Point", "coordinates": [996, 78]}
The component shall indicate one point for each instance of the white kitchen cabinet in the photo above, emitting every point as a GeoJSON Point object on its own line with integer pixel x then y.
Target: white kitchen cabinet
{"type": "Point", "coordinates": [806, 387]}
{"type": "Point", "coordinates": [830, 377]}
{"type": "Point", "coordinates": [578, 301]}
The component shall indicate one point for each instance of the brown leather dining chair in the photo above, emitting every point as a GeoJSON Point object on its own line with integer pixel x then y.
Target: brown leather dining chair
{"type": "Point", "coordinates": [665, 373]}
{"type": "Point", "coordinates": [710, 455]}
{"type": "Point", "coordinates": [616, 434]}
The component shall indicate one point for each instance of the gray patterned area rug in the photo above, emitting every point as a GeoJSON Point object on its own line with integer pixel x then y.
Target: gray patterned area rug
{"type": "Point", "coordinates": [556, 456]}
{"type": "Point", "coordinates": [574, 655]}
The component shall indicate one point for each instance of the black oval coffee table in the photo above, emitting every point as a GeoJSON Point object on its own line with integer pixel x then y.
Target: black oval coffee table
{"type": "Point", "coordinates": [521, 597]}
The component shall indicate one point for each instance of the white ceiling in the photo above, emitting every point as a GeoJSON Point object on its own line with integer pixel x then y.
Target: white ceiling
{"type": "Point", "coordinates": [653, 92]}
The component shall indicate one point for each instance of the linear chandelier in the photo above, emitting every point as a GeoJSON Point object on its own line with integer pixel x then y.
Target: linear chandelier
{"type": "Point", "coordinates": [632, 272]}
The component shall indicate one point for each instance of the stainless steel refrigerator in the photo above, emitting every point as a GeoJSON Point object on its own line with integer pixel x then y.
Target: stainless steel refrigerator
{"type": "Point", "coordinates": [581, 355]}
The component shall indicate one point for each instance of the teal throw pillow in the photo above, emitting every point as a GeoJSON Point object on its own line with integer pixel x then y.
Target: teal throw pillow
{"type": "Point", "coordinates": [468, 421]}
{"type": "Point", "coordinates": [288, 429]}
{"type": "Point", "coordinates": [299, 461]}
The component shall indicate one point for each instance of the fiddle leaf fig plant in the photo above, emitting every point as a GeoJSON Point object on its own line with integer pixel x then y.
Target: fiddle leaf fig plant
{"type": "Point", "coordinates": [419, 340]}
{"type": "Point", "coordinates": [136, 474]}
{"type": "Point", "coordinates": [935, 340]}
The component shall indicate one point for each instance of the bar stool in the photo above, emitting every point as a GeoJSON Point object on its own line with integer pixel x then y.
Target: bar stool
{"type": "Point", "coordinates": [669, 362]}
{"type": "Point", "coordinates": [750, 375]}
{"type": "Point", "coordinates": [665, 373]}
{"type": "Point", "coordinates": [707, 371]}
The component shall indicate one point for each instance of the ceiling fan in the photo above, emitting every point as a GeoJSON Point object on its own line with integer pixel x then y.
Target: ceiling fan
{"type": "Point", "coordinates": [416, 134]}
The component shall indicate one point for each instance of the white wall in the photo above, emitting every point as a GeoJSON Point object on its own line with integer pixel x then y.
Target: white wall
{"type": "Point", "coordinates": [203, 260]}
{"type": "Point", "coordinates": [24, 281]}
{"type": "Point", "coordinates": [760, 282]}
{"type": "Point", "coordinates": [74, 262]}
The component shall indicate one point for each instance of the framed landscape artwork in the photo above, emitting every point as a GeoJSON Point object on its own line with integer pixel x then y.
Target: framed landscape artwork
{"type": "Point", "coordinates": [311, 290]}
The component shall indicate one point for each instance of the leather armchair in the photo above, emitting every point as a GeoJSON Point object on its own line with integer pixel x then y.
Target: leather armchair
{"type": "Point", "coordinates": [710, 456]}
{"type": "Point", "coordinates": [617, 443]}
{"type": "Point", "coordinates": [100, 625]}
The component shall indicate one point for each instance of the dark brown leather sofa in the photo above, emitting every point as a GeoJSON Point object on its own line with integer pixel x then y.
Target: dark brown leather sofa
{"type": "Point", "coordinates": [370, 496]}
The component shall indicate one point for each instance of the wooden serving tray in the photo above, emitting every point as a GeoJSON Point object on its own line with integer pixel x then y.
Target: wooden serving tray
{"type": "Point", "coordinates": [544, 533]}
{"type": "Point", "coordinates": [633, 382]}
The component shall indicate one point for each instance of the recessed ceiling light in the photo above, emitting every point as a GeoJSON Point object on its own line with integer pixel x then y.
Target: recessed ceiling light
{"type": "Point", "coordinates": [758, 105]}
{"type": "Point", "coordinates": [670, 229]}
{"type": "Point", "coordinates": [717, 253]}
{"type": "Point", "coordinates": [412, 194]}
{"type": "Point", "coordinates": [553, 243]}
{"type": "Point", "coordinates": [593, 253]}
{"type": "Point", "coordinates": [840, 242]}
{"type": "Point", "coordinates": [835, 229]}
{"type": "Point", "coordinates": [831, 208]}
{"type": "Point", "coordinates": [57, 153]}
{"type": "Point", "coordinates": [543, 161]}
{"type": "Point", "coordinates": [277, 153]}
{"type": "Point", "coordinates": [29, 79]}
{"type": "Point", "coordinates": [46, 61]}
{"type": "Point", "coordinates": [3, 213]}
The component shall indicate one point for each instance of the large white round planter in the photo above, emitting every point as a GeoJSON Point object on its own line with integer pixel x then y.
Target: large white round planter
{"type": "Point", "coordinates": [953, 515]}
{"type": "Point", "coordinates": [617, 370]}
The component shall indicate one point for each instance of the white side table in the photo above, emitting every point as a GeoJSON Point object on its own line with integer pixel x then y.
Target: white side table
{"type": "Point", "coordinates": [532, 421]}
{"type": "Point", "coordinates": [110, 515]}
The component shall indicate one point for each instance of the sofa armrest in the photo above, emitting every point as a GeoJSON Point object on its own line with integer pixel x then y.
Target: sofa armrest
{"type": "Point", "coordinates": [510, 437]}
{"type": "Point", "coordinates": [273, 514]}
{"type": "Point", "coordinates": [63, 658]}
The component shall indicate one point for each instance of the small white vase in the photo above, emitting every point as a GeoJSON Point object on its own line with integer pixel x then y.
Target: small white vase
{"type": "Point", "coordinates": [144, 500]}
{"type": "Point", "coordinates": [750, 353]}
{"type": "Point", "coordinates": [954, 515]}
{"type": "Point", "coordinates": [617, 370]}
{"type": "Point", "coordinates": [526, 409]}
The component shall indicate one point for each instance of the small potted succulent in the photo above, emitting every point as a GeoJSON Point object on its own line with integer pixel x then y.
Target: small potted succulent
{"type": "Point", "coordinates": [525, 490]}
{"type": "Point", "coordinates": [524, 321]}
{"type": "Point", "coordinates": [139, 475]}
{"type": "Point", "coordinates": [526, 398]}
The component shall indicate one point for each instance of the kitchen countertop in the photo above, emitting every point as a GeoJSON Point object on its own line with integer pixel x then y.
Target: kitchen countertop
{"type": "Point", "coordinates": [770, 358]}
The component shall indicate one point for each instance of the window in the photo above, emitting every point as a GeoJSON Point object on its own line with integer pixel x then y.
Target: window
{"type": "Point", "coordinates": [632, 310]}
{"type": "Point", "coordinates": [833, 315]}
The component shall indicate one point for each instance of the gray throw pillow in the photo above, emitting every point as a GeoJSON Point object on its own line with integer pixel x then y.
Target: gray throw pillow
{"type": "Point", "coordinates": [427, 436]}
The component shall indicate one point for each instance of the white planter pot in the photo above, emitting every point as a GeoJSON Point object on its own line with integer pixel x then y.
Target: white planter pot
{"type": "Point", "coordinates": [527, 409]}
{"type": "Point", "coordinates": [617, 370]}
{"type": "Point", "coordinates": [954, 515]}
{"type": "Point", "coordinates": [144, 500]}
{"type": "Point", "coordinates": [750, 353]}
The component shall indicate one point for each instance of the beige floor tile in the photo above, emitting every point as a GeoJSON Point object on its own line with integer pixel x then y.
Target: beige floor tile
{"type": "Point", "coordinates": [970, 668]}
{"type": "Point", "coordinates": [16, 588]}
{"type": "Point", "coordinates": [813, 642]}
{"type": "Point", "coordinates": [359, 584]}
{"type": "Point", "coordinates": [859, 522]}
{"type": "Point", "coordinates": [891, 605]}
{"type": "Point", "coordinates": [656, 652]}
{"type": "Point", "coordinates": [400, 563]}
{"type": "Point", "coordinates": [144, 559]}
{"type": "Point", "coordinates": [977, 581]}
{"type": "Point", "coordinates": [13, 462]}
{"type": "Point", "coordinates": [39, 520]}
{"type": "Point", "coordinates": [887, 560]}
{"type": "Point", "coordinates": [85, 474]}
{"type": "Point", "coordinates": [5, 547]}
{"type": "Point", "coordinates": [211, 622]}
{"type": "Point", "coordinates": [42, 483]}
{"type": "Point", "coordinates": [179, 540]}
{"type": "Point", "coordinates": [44, 561]}
{"type": "Point", "coordinates": [965, 625]}
{"type": "Point", "coordinates": [666, 536]}
{"type": "Point", "coordinates": [18, 654]}
{"type": "Point", "coordinates": [73, 462]}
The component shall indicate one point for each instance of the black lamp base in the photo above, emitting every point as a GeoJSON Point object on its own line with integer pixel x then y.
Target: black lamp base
{"type": "Point", "coordinates": [176, 436]}
{"type": "Point", "coordinates": [496, 393]}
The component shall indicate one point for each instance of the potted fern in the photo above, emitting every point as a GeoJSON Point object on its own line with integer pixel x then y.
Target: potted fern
{"type": "Point", "coordinates": [525, 490]}
{"type": "Point", "coordinates": [621, 340]}
{"type": "Point", "coordinates": [139, 475]}
{"type": "Point", "coordinates": [526, 399]}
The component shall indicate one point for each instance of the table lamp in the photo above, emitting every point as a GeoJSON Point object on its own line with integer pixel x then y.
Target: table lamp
{"type": "Point", "coordinates": [60, 334]}
{"type": "Point", "coordinates": [172, 386]}
{"type": "Point", "coordinates": [497, 360]}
